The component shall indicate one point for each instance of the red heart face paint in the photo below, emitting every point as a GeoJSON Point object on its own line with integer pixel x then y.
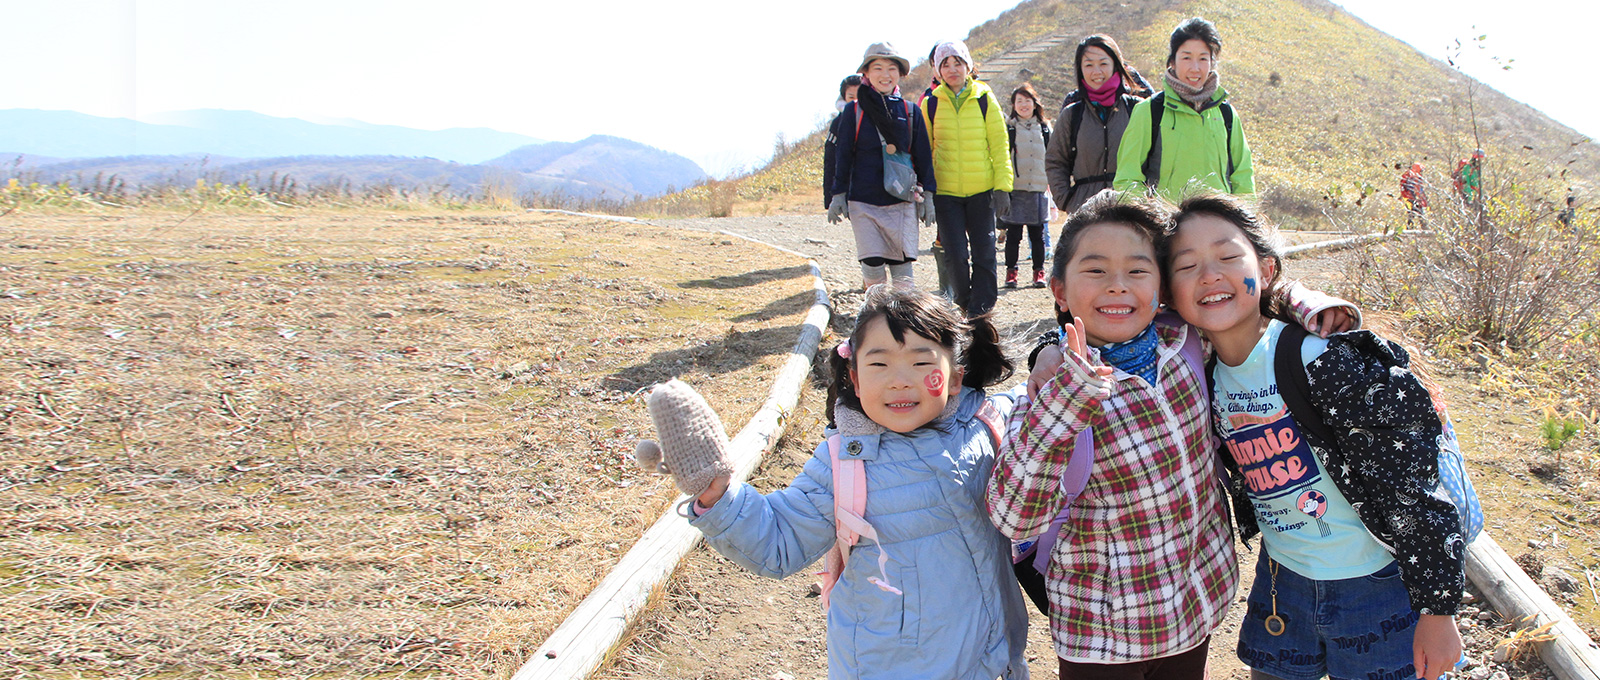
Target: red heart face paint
{"type": "Point", "coordinates": [934, 382]}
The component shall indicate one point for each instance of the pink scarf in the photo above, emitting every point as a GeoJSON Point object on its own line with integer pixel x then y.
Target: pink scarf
{"type": "Point", "coordinates": [1106, 94]}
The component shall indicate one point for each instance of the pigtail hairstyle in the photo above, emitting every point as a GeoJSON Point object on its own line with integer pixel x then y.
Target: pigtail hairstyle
{"type": "Point", "coordinates": [1260, 234]}
{"type": "Point", "coordinates": [1144, 215]}
{"type": "Point", "coordinates": [974, 343]}
{"type": "Point", "coordinates": [984, 362]}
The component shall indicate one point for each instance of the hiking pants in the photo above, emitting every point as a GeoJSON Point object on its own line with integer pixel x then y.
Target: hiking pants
{"type": "Point", "coordinates": [966, 229]}
{"type": "Point", "coordinates": [1014, 243]}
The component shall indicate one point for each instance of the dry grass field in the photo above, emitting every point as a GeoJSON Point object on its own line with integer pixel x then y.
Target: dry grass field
{"type": "Point", "coordinates": [343, 444]}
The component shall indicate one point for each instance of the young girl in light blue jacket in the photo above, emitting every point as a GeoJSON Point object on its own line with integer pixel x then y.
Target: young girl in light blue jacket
{"type": "Point", "coordinates": [928, 590]}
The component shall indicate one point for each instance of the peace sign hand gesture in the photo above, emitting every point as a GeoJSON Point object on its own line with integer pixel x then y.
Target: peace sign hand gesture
{"type": "Point", "coordinates": [1048, 364]}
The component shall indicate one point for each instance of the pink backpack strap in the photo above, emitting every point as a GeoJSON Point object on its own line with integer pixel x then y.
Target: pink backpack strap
{"type": "Point", "coordinates": [990, 417]}
{"type": "Point", "coordinates": [850, 524]}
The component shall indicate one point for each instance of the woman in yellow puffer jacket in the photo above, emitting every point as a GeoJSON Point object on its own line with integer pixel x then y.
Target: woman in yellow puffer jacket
{"type": "Point", "coordinates": [972, 166]}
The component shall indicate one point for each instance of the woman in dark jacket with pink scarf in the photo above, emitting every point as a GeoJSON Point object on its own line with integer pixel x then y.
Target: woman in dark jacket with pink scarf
{"type": "Point", "coordinates": [1082, 157]}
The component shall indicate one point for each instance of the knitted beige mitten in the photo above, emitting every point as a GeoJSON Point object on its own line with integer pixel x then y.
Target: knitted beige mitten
{"type": "Point", "coordinates": [694, 447]}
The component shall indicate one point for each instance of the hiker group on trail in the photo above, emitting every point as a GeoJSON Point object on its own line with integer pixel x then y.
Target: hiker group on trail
{"type": "Point", "coordinates": [1188, 394]}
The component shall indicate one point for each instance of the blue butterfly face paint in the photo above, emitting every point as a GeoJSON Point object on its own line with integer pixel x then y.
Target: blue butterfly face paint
{"type": "Point", "coordinates": [1250, 286]}
{"type": "Point", "coordinates": [1155, 304]}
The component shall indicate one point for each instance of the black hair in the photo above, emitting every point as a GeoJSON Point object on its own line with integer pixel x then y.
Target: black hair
{"type": "Point", "coordinates": [1109, 46]}
{"type": "Point", "coordinates": [1194, 29]}
{"type": "Point", "coordinates": [1026, 89]}
{"type": "Point", "coordinates": [1144, 215]}
{"type": "Point", "coordinates": [852, 80]}
{"type": "Point", "coordinates": [1259, 232]}
{"type": "Point", "coordinates": [975, 343]}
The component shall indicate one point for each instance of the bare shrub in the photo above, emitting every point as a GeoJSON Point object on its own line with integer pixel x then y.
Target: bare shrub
{"type": "Point", "coordinates": [1505, 273]}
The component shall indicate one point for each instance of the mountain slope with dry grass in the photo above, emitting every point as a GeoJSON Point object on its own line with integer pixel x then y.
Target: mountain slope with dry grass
{"type": "Point", "coordinates": [1329, 103]}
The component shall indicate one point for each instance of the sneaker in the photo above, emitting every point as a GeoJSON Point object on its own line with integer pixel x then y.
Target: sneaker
{"type": "Point", "coordinates": [1011, 277]}
{"type": "Point", "coordinates": [1038, 278]}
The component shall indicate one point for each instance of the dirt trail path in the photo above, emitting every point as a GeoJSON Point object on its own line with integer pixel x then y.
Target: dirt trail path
{"type": "Point", "coordinates": [718, 621]}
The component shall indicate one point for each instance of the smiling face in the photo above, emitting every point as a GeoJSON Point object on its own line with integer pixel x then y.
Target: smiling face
{"type": "Point", "coordinates": [953, 73]}
{"type": "Point", "coordinates": [1022, 104]}
{"type": "Point", "coordinates": [1217, 280]}
{"type": "Point", "coordinates": [902, 386]}
{"type": "Point", "coordinates": [883, 75]}
{"type": "Point", "coordinates": [1096, 66]}
{"type": "Point", "coordinates": [1111, 282]}
{"type": "Point", "coordinates": [1193, 62]}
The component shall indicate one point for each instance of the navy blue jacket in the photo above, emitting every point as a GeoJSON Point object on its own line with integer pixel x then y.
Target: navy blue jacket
{"type": "Point", "coordinates": [858, 159]}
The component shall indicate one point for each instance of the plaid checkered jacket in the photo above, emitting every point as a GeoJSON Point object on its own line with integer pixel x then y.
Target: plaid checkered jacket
{"type": "Point", "coordinates": [1145, 566]}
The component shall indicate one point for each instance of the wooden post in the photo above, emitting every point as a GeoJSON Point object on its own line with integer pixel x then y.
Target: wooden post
{"type": "Point", "coordinates": [1572, 655]}
{"type": "Point", "coordinates": [583, 641]}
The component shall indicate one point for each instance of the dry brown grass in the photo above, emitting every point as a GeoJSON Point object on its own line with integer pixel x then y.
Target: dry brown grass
{"type": "Point", "coordinates": [341, 444]}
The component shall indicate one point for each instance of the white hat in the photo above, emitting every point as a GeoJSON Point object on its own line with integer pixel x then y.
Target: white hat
{"type": "Point", "coordinates": [952, 48]}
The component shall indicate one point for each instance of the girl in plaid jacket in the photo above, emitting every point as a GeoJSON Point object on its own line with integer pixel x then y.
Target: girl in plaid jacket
{"type": "Point", "coordinates": [1144, 568]}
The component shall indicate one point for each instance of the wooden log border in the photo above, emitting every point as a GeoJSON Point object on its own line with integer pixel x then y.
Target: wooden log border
{"type": "Point", "coordinates": [592, 632]}
{"type": "Point", "coordinates": [1571, 655]}
{"type": "Point", "coordinates": [1335, 244]}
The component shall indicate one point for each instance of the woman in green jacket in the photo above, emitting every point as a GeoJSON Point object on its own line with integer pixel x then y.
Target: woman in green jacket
{"type": "Point", "coordinates": [972, 166]}
{"type": "Point", "coordinates": [1188, 133]}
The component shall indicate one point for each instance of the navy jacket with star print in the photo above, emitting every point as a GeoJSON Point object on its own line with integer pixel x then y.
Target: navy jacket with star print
{"type": "Point", "coordinates": [1385, 461]}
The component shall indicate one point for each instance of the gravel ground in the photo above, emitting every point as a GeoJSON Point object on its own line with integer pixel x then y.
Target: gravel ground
{"type": "Point", "coordinates": [718, 621]}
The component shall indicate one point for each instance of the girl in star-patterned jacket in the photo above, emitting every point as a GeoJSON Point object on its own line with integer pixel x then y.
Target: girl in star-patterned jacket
{"type": "Point", "coordinates": [1361, 569]}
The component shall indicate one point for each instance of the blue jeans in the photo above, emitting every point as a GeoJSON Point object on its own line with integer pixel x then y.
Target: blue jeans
{"type": "Point", "coordinates": [1360, 627]}
{"type": "Point", "coordinates": [968, 221]}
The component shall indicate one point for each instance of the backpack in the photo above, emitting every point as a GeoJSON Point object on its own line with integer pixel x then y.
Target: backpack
{"type": "Point", "coordinates": [1294, 386]}
{"type": "Point", "coordinates": [899, 176]}
{"type": "Point", "coordinates": [1076, 476]}
{"type": "Point", "coordinates": [850, 507]}
{"type": "Point", "coordinates": [1157, 110]}
{"type": "Point", "coordinates": [1072, 143]}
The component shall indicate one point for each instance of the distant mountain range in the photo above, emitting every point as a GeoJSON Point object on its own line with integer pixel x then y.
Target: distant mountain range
{"type": "Point", "coordinates": [235, 146]}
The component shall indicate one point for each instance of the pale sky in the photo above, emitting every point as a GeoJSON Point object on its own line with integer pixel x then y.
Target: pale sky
{"type": "Point", "coordinates": [688, 77]}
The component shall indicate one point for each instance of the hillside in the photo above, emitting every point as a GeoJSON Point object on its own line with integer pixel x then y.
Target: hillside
{"type": "Point", "coordinates": [614, 166]}
{"type": "Point", "coordinates": [599, 167]}
{"type": "Point", "coordinates": [1326, 101]}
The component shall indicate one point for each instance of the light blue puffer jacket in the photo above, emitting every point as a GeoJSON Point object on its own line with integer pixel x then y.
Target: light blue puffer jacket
{"type": "Point", "coordinates": [962, 615]}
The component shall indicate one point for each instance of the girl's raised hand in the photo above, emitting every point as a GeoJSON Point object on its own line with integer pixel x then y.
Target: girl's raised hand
{"type": "Point", "coordinates": [1076, 340]}
{"type": "Point", "coordinates": [1050, 359]}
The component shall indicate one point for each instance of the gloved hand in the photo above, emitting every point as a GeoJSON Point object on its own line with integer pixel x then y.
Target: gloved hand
{"type": "Point", "coordinates": [838, 209]}
{"type": "Point", "coordinates": [693, 448]}
{"type": "Point", "coordinates": [925, 212]}
{"type": "Point", "coordinates": [1002, 203]}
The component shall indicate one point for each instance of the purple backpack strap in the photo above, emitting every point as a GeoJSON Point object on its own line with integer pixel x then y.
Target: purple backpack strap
{"type": "Point", "coordinates": [1073, 480]}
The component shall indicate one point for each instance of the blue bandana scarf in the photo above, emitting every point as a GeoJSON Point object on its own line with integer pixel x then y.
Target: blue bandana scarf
{"type": "Point", "coordinates": [1136, 356]}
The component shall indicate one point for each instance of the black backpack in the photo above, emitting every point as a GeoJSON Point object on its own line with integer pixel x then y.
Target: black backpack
{"type": "Point", "coordinates": [1126, 99]}
{"type": "Point", "coordinates": [1157, 110]}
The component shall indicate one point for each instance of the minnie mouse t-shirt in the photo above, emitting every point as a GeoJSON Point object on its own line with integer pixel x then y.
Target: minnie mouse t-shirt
{"type": "Point", "coordinates": [1306, 524]}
